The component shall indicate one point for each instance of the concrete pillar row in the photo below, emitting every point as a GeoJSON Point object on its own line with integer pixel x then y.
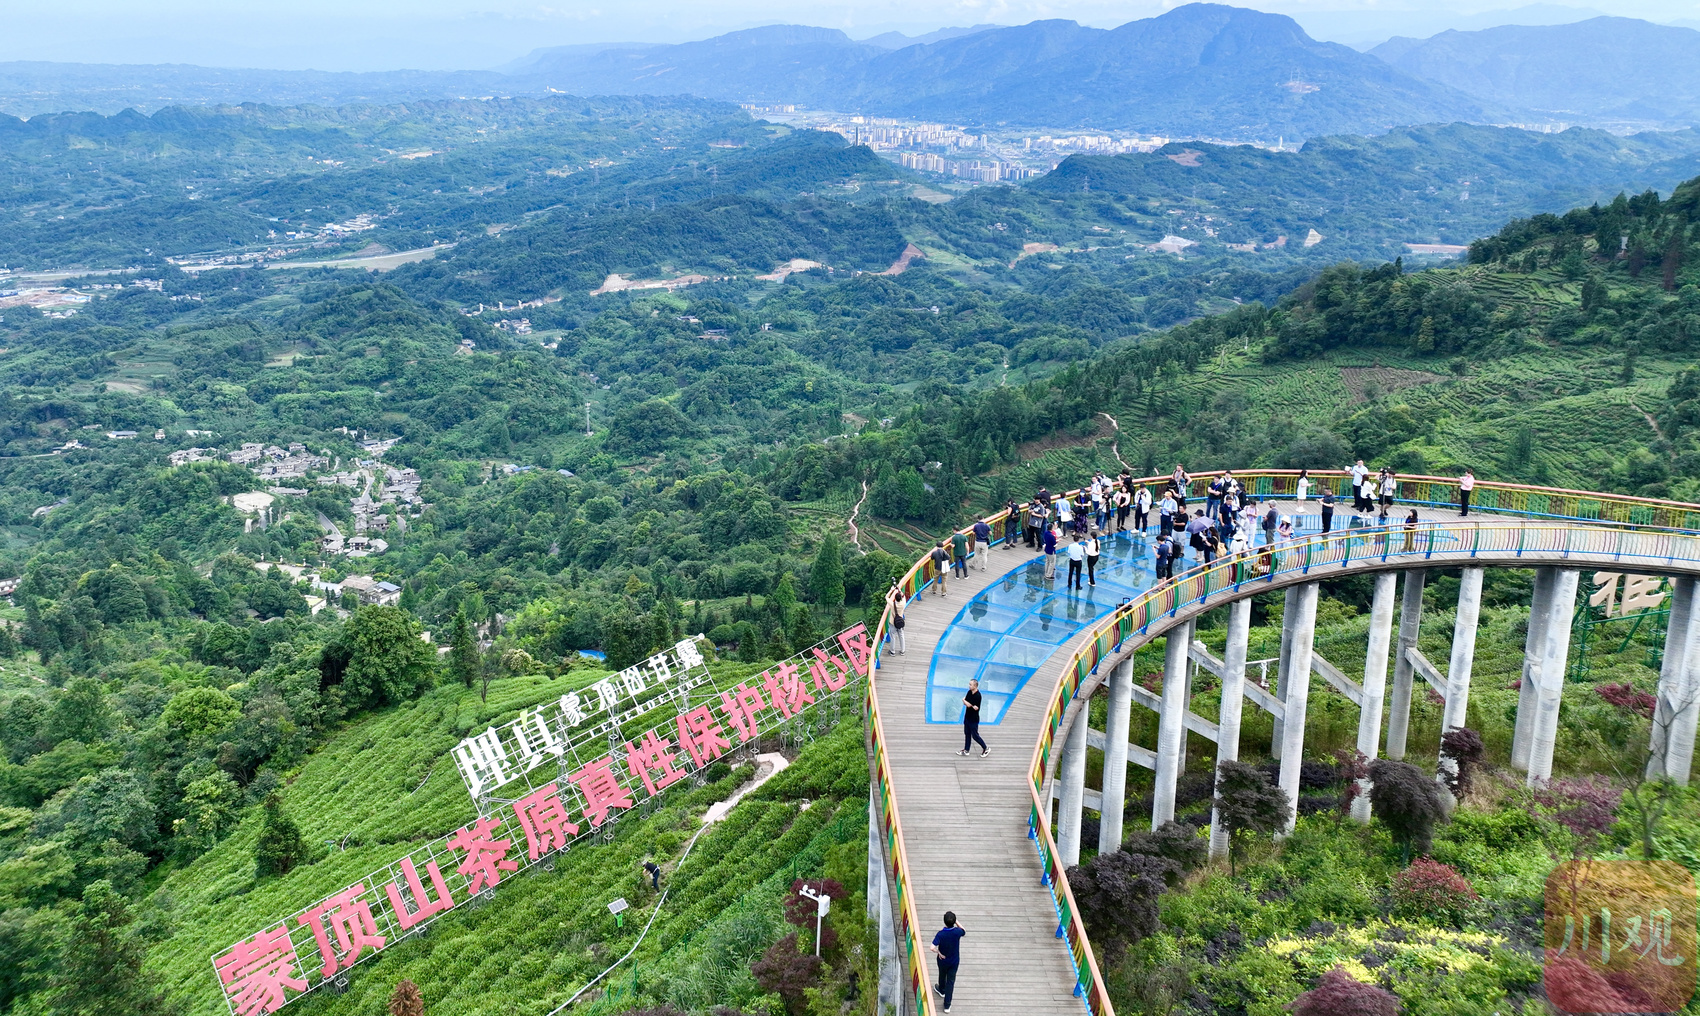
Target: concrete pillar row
{"type": "Point", "coordinates": [1555, 658]}
{"type": "Point", "coordinates": [1072, 776]}
{"type": "Point", "coordinates": [1375, 682]}
{"type": "Point", "coordinates": [1410, 620]}
{"type": "Point", "coordinates": [1115, 757]}
{"type": "Point", "coordinates": [1534, 644]}
{"type": "Point", "coordinates": [1171, 729]}
{"type": "Point", "coordinates": [1233, 700]}
{"type": "Point", "coordinates": [1297, 698]}
{"type": "Point", "coordinates": [1674, 718]}
{"type": "Point", "coordinates": [1468, 615]}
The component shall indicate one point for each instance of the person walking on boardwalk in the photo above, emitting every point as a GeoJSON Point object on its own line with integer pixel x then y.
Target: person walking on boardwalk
{"type": "Point", "coordinates": [899, 608]}
{"type": "Point", "coordinates": [959, 555]}
{"type": "Point", "coordinates": [1466, 483]}
{"type": "Point", "coordinates": [1050, 552]}
{"type": "Point", "coordinates": [1303, 485]}
{"type": "Point", "coordinates": [1327, 510]}
{"type": "Point", "coordinates": [982, 541]}
{"type": "Point", "coordinates": [971, 720]}
{"type": "Point", "coordinates": [1094, 547]}
{"type": "Point", "coordinates": [941, 564]}
{"type": "Point", "coordinates": [947, 947]}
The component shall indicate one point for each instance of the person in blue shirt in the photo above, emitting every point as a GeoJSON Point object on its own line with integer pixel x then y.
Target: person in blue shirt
{"type": "Point", "coordinates": [947, 945]}
{"type": "Point", "coordinates": [982, 542]}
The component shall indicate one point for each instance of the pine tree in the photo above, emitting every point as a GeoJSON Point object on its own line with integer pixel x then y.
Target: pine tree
{"type": "Point", "coordinates": [826, 574]}
{"type": "Point", "coordinates": [100, 969]}
{"type": "Point", "coordinates": [463, 650]}
{"type": "Point", "coordinates": [280, 846]}
{"type": "Point", "coordinates": [406, 1001]}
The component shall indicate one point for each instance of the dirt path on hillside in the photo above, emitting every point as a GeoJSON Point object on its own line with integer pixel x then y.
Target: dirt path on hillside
{"type": "Point", "coordinates": [856, 534]}
{"type": "Point", "coordinates": [1114, 449]}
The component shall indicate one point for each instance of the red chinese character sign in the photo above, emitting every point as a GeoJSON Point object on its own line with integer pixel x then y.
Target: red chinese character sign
{"type": "Point", "coordinates": [1620, 937]}
{"type": "Point", "coordinates": [597, 771]}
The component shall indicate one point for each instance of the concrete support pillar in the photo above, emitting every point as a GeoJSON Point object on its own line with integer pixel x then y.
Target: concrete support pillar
{"type": "Point", "coordinates": [1233, 700]}
{"type": "Point", "coordinates": [1171, 730]}
{"type": "Point", "coordinates": [1115, 757]}
{"type": "Point", "coordinates": [1071, 774]}
{"type": "Point", "coordinates": [1410, 620]}
{"type": "Point", "coordinates": [1456, 711]}
{"type": "Point", "coordinates": [1528, 694]}
{"type": "Point", "coordinates": [1555, 658]}
{"type": "Point", "coordinates": [1297, 699]}
{"type": "Point", "coordinates": [1672, 749]}
{"type": "Point", "coordinates": [1375, 682]}
{"type": "Point", "coordinates": [1283, 667]}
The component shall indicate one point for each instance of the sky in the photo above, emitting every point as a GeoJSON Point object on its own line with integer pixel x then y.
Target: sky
{"type": "Point", "coordinates": [368, 35]}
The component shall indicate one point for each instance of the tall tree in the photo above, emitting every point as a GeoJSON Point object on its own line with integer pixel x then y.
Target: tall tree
{"type": "Point", "coordinates": [826, 574]}
{"type": "Point", "coordinates": [100, 970]}
{"type": "Point", "coordinates": [388, 661]}
{"type": "Point", "coordinates": [463, 650]}
{"type": "Point", "coordinates": [280, 846]}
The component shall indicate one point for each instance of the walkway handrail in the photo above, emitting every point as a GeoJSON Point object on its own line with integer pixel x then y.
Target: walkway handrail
{"type": "Point", "coordinates": [1423, 546]}
{"type": "Point", "coordinates": [1487, 496]}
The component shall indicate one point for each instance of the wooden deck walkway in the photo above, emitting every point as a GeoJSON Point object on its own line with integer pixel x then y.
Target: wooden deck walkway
{"type": "Point", "coordinates": [965, 819]}
{"type": "Point", "coordinates": [965, 822]}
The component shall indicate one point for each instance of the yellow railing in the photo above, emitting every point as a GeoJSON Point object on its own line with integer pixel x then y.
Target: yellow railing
{"type": "Point", "coordinates": [1136, 616]}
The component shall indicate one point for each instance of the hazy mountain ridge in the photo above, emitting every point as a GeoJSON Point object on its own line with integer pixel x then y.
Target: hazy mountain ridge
{"type": "Point", "coordinates": [1605, 69]}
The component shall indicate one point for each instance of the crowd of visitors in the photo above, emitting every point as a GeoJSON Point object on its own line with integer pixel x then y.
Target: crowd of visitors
{"type": "Point", "coordinates": [1229, 521]}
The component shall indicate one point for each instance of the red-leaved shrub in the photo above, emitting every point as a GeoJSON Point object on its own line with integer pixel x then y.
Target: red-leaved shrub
{"type": "Point", "coordinates": [1625, 697]}
{"type": "Point", "coordinates": [1586, 806]}
{"type": "Point", "coordinates": [788, 972]}
{"type": "Point", "coordinates": [1431, 889]}
{"type": "Point", "coordinates": [1338, 993]}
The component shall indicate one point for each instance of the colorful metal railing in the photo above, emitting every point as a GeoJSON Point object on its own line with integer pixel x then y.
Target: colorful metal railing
{"type": "Point", "coordinates": [908, 925]}
{"type": "Point", "coordinates": [1605, 511]}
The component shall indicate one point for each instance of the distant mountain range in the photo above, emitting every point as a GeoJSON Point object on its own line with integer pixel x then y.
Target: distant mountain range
{"type": "Point", "coordinates": [1612, 70]}
{"type": "Point", "coordinates": [1201, 70]}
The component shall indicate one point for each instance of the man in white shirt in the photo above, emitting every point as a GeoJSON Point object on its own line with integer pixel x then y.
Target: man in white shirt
{"type": "Point", "coordinates": [1359, 473]}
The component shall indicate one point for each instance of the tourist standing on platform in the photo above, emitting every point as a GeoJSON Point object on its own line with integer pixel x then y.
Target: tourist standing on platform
{"type": "Point", "coordinates": [1180, 479]}
{"type": "Point", "coordinates": [1166, 513]}
{"type": "Point", "coordinates": [983, 542]}
{"type": "Point", "coordinates": [1124, 503]}
{"type": "Point", "coordinates": [1410, 530]}
{"type": "Point", "coordinates": [1466, 484]}
{"type": "Point", "coordinates": [1271, 519]}
{"type": "Point", "coordinates": [1303, 486]}
{"type": "Point", "coordinates": [900, 606]}
{"type": "Point", "coordinates": [1285, 529]}
{"type": "Point", "coordinates": [1327, 510]}
{"type": "Point", "coordinates": [1388, 485]}
{"type": "Point", "coordinates": [1093, 549]}
{"type": "Point", "coordinates": [941, 564]}
{"type": "Point", "coordinates": [946, 945]}
{"type": "Point", "coordinates": [1076, 562]}
{"type": "Point", "coordinates": [971, 720]}
{"type": "Point", "coordinates": [1359, 474]}
{"type": "Point", "coordinates": [959, 554]}
{"type": "Point", "coordinates": [1164, 560]}
{"type": "Point", "coordinates": [1050, 552]}
{"type": "Point", "coordinates": [1213, 497]}
{"type": "Point", "coordinates": [1142, 509]}
{"type": "Point", "coordinates": [1035, 519]}
{"type": "Point", "coordinates": [1369, 495]}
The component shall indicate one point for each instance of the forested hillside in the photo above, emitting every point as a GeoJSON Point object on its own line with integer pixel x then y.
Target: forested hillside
{"type": "Point", "coordinates": [610, 471]}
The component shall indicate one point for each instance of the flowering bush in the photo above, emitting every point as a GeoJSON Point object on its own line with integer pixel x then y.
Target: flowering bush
{"type": "Point", "coordinates": [1340, 994]}
{"type": "Point", "coordinates": [1625, 697]}
{"type": "Point", "coordinates": [1431, 889]}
